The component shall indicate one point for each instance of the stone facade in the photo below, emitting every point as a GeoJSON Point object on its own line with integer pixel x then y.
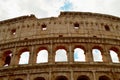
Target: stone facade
{"type": "Point", "coordinates": [68, 31]}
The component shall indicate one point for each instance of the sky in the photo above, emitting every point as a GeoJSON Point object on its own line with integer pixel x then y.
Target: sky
{"type": "Point", "coordinates": [52, 8]}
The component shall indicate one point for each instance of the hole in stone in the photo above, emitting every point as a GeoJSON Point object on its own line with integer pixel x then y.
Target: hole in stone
{"type": "Point", "coordinates": [13, 31]}
{"type": "Point", "coordinates": [44, 26]}
{"type": "Point", "coordinates": [60, 35]}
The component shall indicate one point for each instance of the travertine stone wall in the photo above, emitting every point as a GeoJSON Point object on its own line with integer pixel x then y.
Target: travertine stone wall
{"type": "Point", "coordinates": [68, 31]}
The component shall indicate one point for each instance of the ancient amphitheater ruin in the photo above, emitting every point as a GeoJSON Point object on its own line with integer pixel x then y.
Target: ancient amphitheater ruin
{"type": "Point", "coordinates": [79, 35]}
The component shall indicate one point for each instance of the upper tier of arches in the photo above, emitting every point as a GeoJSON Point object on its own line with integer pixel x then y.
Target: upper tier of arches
{"type": "Point", "coordinates": [59, 53]}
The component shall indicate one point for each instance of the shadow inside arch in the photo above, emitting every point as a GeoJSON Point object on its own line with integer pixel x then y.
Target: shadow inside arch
{"type": "Point", "coordinates": [39, 78]}
{"type": "Point", "coordinates": [61, 78]}
{"type": "Point", "coordinates": [83, 77]}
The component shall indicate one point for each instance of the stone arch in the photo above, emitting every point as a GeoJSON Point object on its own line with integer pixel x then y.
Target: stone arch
{"type": "Point", "coordinates": [61, 78]}
{"type": "Point", "coordinates": [114, 54]}
{"type": "Point", "coordinates": [6, 57]}
{"type": "Point", "coordinates": [104, 78]}
{"type": "Point", "coordinates": [97, 53]}
{"type": "Point", "coordinates": [39, 78]}
{"type": "Point", "coordinates": [42, 55]}
{"type": "Point", "coordinates": [83, 77]}
{"type": "Point", "coordinates": [23, 56]}
{"type": "Point", "coordinates": [61, 54]}
{"type": "Point", "coordinates": [79, 53]}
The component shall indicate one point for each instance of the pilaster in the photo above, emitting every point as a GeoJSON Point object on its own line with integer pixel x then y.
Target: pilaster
{"type": "Point", "coordinates": [71, 54]}
{"type": "Point", "coordinates": [14, 57]}
{"type": "Point", "coordinates": [51, 56]}
{"type": "Point", "coordinates": [32, 58]}
{"type": "Point", "coordinates": [88, 53]}
{"type": "Point", "coordinates": [106, 55]}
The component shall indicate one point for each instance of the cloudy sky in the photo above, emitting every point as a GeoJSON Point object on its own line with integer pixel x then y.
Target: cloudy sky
{"type": "Point", "coordinates": [48, 8]}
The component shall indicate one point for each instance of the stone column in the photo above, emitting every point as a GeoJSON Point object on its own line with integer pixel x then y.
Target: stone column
{"type": "Point", "coordinates": [1, 59]}
{"type": "Point", "coordinates": [70, 54]}
{"type": "Point", "coordinates": [106, 55]}
{"type": "Point", "coordinates": [32, 58]}
{"type": "Point", "coordinates": [50, 75]}
{"type": "Point", "coordinates": [94, 76]}
{"type": "Point", "coordinates": [88, 53]}
{"type": "Point", "coordinates": [14, 57]}
{"type": "Point", "coordinates": [15, 60]}
{"type": "Point", "coordinates": [72, 78]}
{"type": "Point", "coordinates": [51, 57]}
{"type": "Point", "coordinates": [28, 76]}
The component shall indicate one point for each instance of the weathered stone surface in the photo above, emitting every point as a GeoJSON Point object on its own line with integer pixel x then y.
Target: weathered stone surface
{"type": "Point", "coordinates": [68, 31]}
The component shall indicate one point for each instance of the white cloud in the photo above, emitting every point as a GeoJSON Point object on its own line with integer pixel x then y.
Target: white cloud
{"type": "Point", "coordinates": [99, 6]}
{"type": "Point", "coordinates": [47, 8]}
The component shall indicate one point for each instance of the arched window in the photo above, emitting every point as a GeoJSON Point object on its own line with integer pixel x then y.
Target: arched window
{"type": "Point", "coordinates": [97, 56]}
{"type": "Point", "coordinates": [7, 58]}
{"type": "Point", "coordinates": [39, 78]}
{"type": "Point", "coordinates": [24, 57]}
{"type": "Point", "coordinates": [61, 78]}
{"type": "Point", "coordinates": [114, 56]}
{"type": "Point", "coordinates": [42, 56]}
{"type": "Point", "coordinates": [79, 54]}
{"type": "Point", "coordinates": [104, 78]}
{"type": "Point", "coordinates": [83, 77]}
{"type": "Point", "coordinates": [61, 55]}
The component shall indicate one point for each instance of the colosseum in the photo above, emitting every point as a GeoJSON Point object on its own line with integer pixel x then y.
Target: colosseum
{"type": "Point", "coordinates": [72, 46]}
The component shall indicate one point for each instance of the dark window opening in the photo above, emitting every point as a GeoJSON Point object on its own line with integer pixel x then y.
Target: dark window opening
{"type": "Point", "coordinates": [28, 26]}
{"type": "Point", "coordinates": [25, 38]}
{"type": "Point", "coordinates": [13, 31]}
{"type": "Point", "coordinates": [76, 25]}
{"type": "Point", "coordinates": [44, 27]}
{"type": "Point", "coordinates": [94, 36]}
{"type": "Point", "coordinates": [7, 60]}
{"type": "Point", "coordinates": [60, 35]}
{"type": "Point", "coordinates": [107, 28]}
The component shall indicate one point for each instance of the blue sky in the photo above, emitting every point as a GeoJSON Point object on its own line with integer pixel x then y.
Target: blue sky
{"type": "Point", "coordinates": [47, 8]}
{"type": "Point", "coordinates": [67, 6]}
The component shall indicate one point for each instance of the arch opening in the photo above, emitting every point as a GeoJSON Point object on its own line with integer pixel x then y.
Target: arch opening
{"type": "Point", "coordinates": [39, 78]}
{"type": "Point", "coordinates": [79, 55]}
{"type": "Point", "coordinates": [97, 56]}
{"type": "Point", "coordinates": [83, 77]}
{"type": "Point", "coordinates": [61, 55]}
{"type": "Point", "coordinates": [104, 78]}
{"type": "Point", "coordinates": [42, 56]}
{"type": "Point", "coordinates": [61, 78]}
{"type": "Point", "coordinates": [7, 58]}
{"type": "Point", "coordinates": [24, 57]}
{"type": "Point", "coordinates": [114, 56]}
